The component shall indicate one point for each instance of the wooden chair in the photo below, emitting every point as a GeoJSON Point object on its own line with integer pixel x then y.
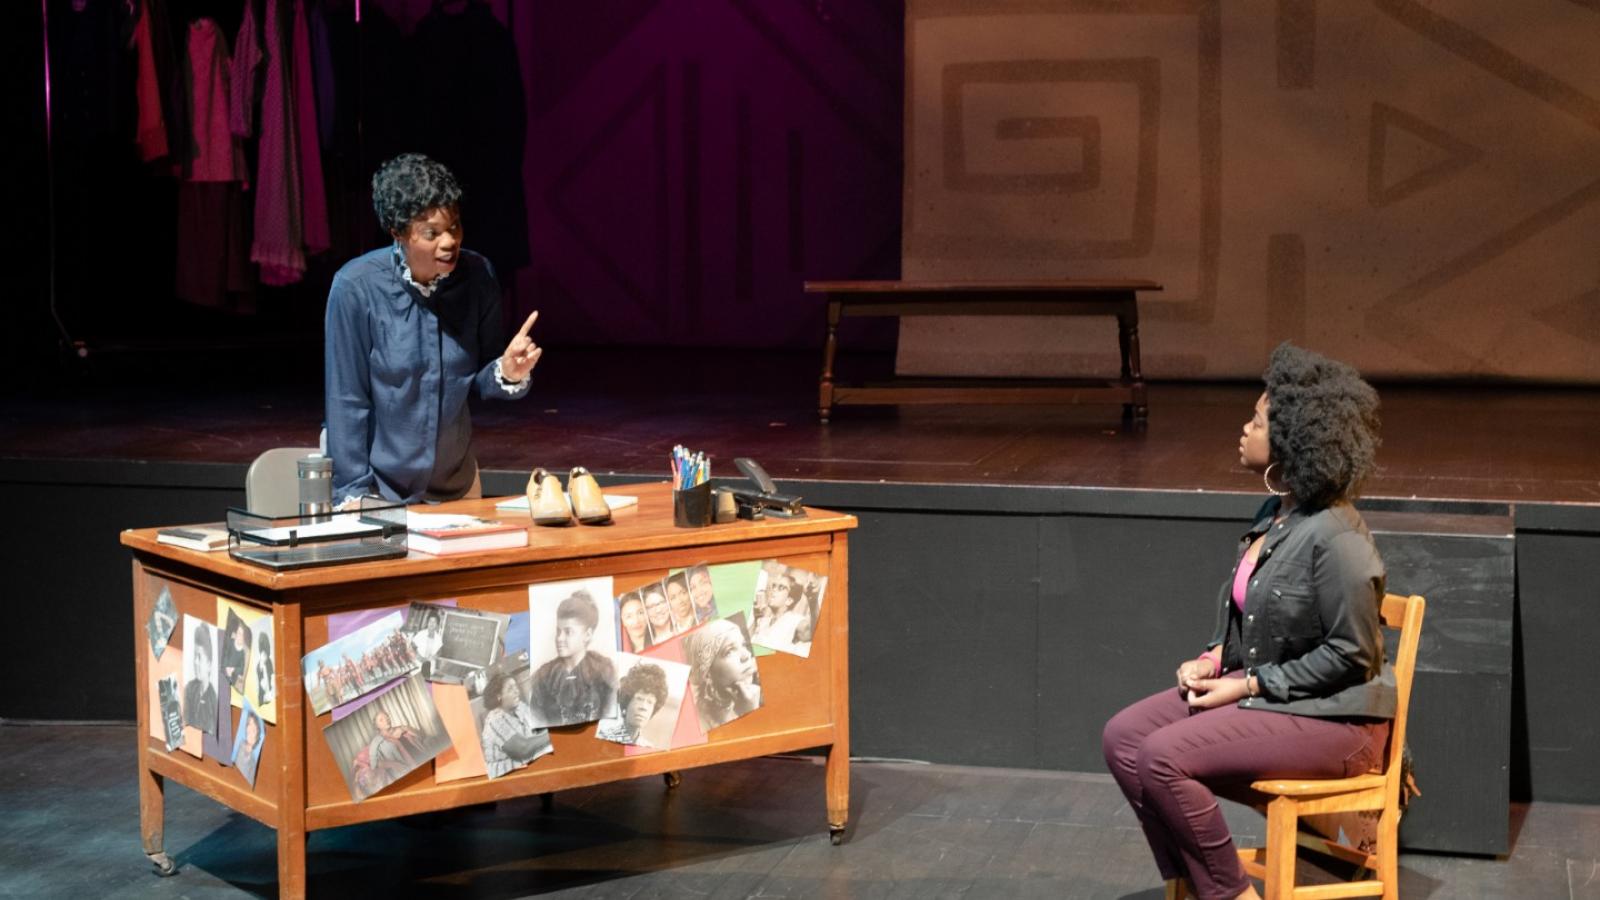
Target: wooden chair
{"type": "Point", "coordinates": [1376, 791]}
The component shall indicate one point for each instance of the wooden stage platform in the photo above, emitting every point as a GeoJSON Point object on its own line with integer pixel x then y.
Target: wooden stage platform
{"type": "Point", "coordinates": [622, 411]}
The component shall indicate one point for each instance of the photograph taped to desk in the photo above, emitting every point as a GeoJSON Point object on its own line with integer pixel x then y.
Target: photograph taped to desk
{"type": "Point", "coordinates": [387, 739]}
{"type": "Point", "coordinates": [247, 745]}
{"type": "Point", "coordinates": [199, 674]}
{"type": "Point", "coordinates": [357, 663]}
{"type": "Point", "coordinates": [171, 712]}
{"type": "Point", "coordinates": [723, 674]}
{"type": "Point", "coordinates": [261, 688]}
{"type": "Point", "coordinates": [509, 737]}
{"type": "Point", "coordinates": [163, 618]}
{"type": "Point", "coordinates": [470, 642]}
{"type": "Point", "coordinates": [787, 608]}
{"type": "Point", "coordinates": [649, 698]}
{"type": "Point", "coordinates": [572, 639]}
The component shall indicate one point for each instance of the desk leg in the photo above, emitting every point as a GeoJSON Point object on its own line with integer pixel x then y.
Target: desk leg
{"type": "Point", "coordinates": [830, 348]}
{"type": "Point", "coordinates": [152, 787]}
{"type": "Point", "coordinates": [152, 815]}
{"type": "Point", "coordinates": [837, 774]}
{"type": "Point", "coordinates": [288, 628]}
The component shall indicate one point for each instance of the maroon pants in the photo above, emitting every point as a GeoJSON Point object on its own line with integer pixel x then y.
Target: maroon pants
{"type": "Point", "coordinates": [1173, 761]}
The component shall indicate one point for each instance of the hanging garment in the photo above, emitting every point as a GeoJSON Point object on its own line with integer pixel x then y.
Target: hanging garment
{"type": "Point", "coordinates": [217, 154]}
{"type": "Point", "coordinates": [213, 246]}
{"type": "Point", "coordinates": [278, 243]}
{"type": "Point", "coordinates": [242, 78]}
{"type": "Point", "coordinates": [152, 134]}
{"type": "Point", "coordinates": [314, 199]}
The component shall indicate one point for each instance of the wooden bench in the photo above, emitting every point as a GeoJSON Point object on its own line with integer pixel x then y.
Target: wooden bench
{"type": "Point", "coordinates": [1077, 297]}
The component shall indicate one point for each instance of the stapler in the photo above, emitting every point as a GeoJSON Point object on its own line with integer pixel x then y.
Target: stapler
{"type": "Point", "coordinates": [765, 499]}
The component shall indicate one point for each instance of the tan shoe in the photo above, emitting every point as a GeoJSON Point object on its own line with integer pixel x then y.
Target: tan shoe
{"type": "Point", "coordinates": [588, 504]}
{"type": "Point", "coordinates": [547, 503]}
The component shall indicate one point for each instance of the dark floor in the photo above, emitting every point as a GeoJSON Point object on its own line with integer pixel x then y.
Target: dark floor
{"type": "Point", "coordinates": [622, 411]}
{"type": "Point", "coordinates": [750, 829]}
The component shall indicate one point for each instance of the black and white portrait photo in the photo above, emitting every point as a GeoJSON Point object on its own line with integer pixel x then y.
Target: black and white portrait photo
{"type": "Point", "coordinates": [424, 628]}
{"type": "Point", "coordinates": [722, 671]}
{"type": "Point", "coordinates": [171, 711]}
{"type": "Point", "coordinates": [572, 639]}
{"type": "Point", "coordinates": [263, 692]}
{"type": "Point", "coordinates": [510, 737]}
{"type": "Point", "coordinates": [163, 618]}
{"type": "Point", "coordinates": [649, 698]}
{"type": "Point", "coordinates": [235, 652]}
{"type": "Point", "coordinates": [199, 674]}
{"type": "Point", "coordinates": [792, 603]}
{"type": "Point", "coordinates": [469, 642]}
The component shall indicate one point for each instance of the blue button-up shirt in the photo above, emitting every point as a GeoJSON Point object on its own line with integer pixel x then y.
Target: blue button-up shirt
{"type": "Point", "coordinates": [398, 367]}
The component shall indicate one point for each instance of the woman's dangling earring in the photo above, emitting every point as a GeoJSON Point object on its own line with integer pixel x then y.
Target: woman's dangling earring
{"type": "Point", "coordinates": [1266, 479]}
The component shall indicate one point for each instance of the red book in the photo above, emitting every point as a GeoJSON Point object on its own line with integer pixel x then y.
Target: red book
{"type": "Point", "coordinates": [444, 535]}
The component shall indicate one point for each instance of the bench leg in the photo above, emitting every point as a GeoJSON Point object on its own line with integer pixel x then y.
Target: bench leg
{"type": "Point", "coordinates": [1132, 374]}
{"type": "Point", "coordinates": [830, 348]}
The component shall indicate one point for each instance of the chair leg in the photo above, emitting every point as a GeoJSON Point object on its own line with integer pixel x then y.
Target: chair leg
{"type": "Point", "coordinates": [1389, 853]}
{"type": "Point", "coordinates": [1283, 817]}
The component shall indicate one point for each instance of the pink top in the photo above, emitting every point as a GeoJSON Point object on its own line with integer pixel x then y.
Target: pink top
{"type": "Point", "coordinates": [1241, 581]}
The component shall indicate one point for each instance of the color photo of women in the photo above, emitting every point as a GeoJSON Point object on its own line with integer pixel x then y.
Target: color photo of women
{"type": "Point", "coordinates": [390, 737]}
{"type": "Point", "coordinates": [634, 626]}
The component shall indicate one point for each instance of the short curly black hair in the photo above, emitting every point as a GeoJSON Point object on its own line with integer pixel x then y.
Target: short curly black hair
{"type": "Point", "coordinates": [497, 683]}
{"type": "Point", "coordinates": [408, 186]}
{"type": "Point", "coordinates": [1322, 425]}
{"type": "Point", "coordinates": [643, 678]}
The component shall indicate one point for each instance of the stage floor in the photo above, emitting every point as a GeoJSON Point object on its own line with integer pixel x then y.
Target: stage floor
{"type": "Point", "coordinates": [621, 411]}
{"type": "Point", "coordinates": [747, 829]}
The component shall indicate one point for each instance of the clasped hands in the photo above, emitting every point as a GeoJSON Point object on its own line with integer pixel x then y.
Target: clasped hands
{"type": "Point", "coordinates": [522, 354]}
{"type": "Point", "coordinates": [1198, 685]}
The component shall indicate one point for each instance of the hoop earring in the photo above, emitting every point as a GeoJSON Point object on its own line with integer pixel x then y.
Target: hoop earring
{"type": "Point", "coordinates": [1266, 479]}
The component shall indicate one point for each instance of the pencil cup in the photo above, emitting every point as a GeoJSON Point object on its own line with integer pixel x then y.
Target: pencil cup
{"type": "Point", "coordinates": [692, 508]}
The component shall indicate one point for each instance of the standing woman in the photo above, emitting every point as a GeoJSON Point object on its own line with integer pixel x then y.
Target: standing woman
{"type": "Point", "coordinates": [1293, 681]}
{"type": "Point", "coordinates": [411, 330]}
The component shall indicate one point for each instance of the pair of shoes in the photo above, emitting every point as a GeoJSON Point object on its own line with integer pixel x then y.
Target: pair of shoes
{"type": "Point", "coordinates": [549, 505]}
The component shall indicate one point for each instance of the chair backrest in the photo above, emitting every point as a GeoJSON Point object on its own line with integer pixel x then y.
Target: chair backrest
{"type": "Point", "coordinates": [1404, 614]}
{"type": "Point", "coordinates": [272, 486]}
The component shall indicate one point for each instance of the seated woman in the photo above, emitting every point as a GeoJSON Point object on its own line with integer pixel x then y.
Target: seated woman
{"type": "Point", "coordinates": [1292, 682]}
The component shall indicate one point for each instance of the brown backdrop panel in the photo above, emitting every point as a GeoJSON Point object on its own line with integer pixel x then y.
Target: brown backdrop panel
{"type": "Point", "coordinates": [1413, 188]}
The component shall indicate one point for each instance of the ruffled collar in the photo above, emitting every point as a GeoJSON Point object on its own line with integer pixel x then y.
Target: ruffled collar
{"type": "Point", "coordinates": [425, 290]}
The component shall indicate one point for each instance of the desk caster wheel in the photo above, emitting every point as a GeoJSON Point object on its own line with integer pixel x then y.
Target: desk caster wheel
{"type": "Point", "coordinates": [836, 834]}
{"type": "Point", "coordinates": [165, 867]}
{"type": "Point", "coordinates": [672, 779]}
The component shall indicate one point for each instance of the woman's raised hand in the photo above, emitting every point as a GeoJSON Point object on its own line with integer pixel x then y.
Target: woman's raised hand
{"type": "Point", "coordinates": [522, 354]}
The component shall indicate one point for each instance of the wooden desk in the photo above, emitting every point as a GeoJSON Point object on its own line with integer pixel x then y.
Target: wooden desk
{"type": "Point", "coordinates": [996, 298]}
{"type": "Point", "coordinates": [299, 788]}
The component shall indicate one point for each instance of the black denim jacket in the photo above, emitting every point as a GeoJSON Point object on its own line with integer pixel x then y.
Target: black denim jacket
{"type": "Point", "coordinates": [1310, 630]}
